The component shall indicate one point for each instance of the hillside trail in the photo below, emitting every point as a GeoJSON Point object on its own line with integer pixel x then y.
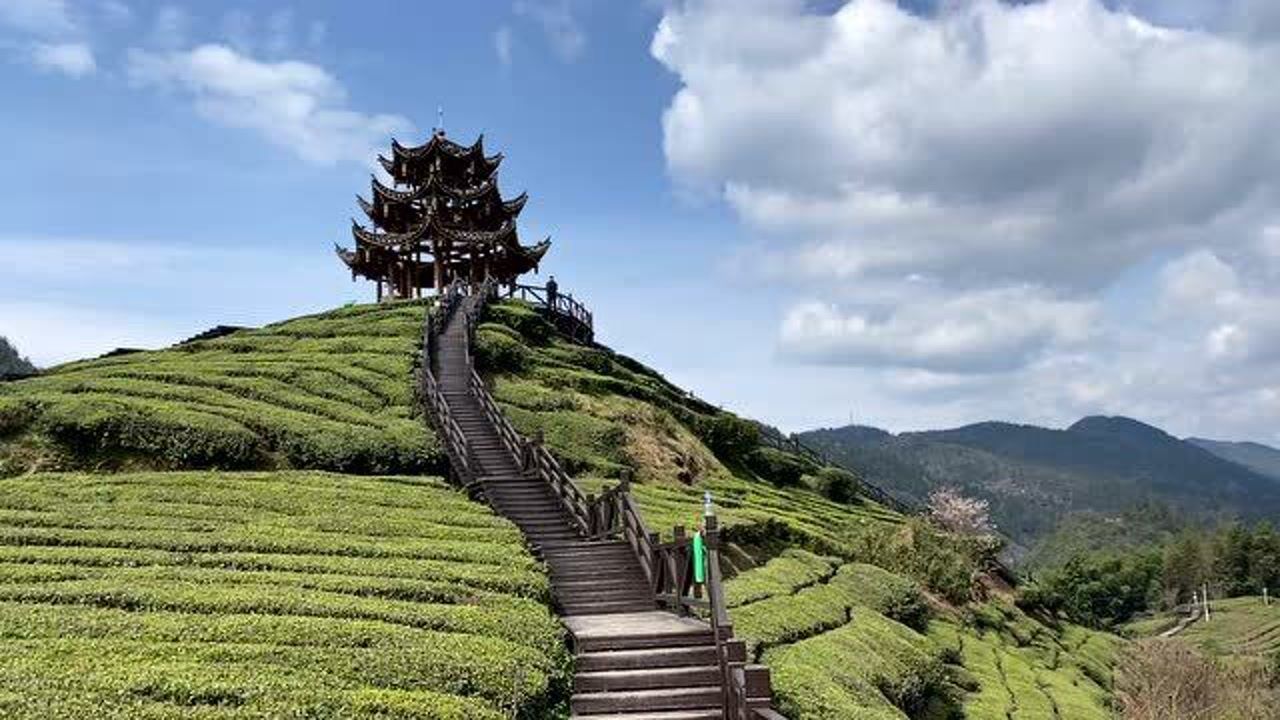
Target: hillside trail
{"type": "Point", "coordinates": [633, 660]}
{"type": "Point", "coordinates": [1183, 624]}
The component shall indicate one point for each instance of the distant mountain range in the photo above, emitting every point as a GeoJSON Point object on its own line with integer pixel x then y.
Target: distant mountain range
{"type": "Point", "coordinates": [1034, 477]}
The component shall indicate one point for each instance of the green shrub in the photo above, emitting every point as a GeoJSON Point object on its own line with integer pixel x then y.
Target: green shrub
{"type": "Point", "coordinates": [496, 351]}
{"type": "Point", "coordinates": [871, 667]}
{"type": "Point", "coordinates": [781, 576]}
{"type": "Point", "coordinates": [522, 318]}
{"type": "Point", "coordinates": [780, 468]}
{"type": "Point", "coordinates": [887, 593]}
{"type": "Point", "coordinates": [331, 391]}
{"type": "Point", "coordinates": [730, 437]}
{"type": "Point", "coordinates": [15, 414]}
{"type": "Point", "coordinates": [837, 484]}
{"type": "Point", "coordinates": [786, 618]}
{"type": "Point", "coordinates": [268, 595]}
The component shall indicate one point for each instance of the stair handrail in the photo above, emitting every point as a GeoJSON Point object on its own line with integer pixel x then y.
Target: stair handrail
{"type": "Point", "coordinates": [668, 566]}
{"type": "Point", "coordinates": [565, 304]}
{"type": "Point", "coordinates": [455, 442]}
{"type": "Point", "coordinates": [747, 688]}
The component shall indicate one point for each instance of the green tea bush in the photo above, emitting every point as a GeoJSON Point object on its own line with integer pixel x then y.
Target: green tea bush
{"type": "Point", "coordinates": [780, 468]}
{"type": "Point", "coordinates": [781, 576]}
{"type": "Point", "coordinates": [268, 595]}
{"type": "Point", "coordinates": [331, 391]}
{"type": "Point", "coordinates": [871, 667]}
{"type": "Point", "coordinates": [786, 618]}
{"type": "Point", "coordinates": [496, 350]}
{"type": "Point", "coordinates": [730, 437]}
{"type": "Point", "coordinates": [522, 318]}
{"type": "Point", "coordinates": [837, 484]}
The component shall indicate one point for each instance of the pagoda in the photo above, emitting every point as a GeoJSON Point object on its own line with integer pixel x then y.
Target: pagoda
{"type": "Point", "coordinates": [443, 220]}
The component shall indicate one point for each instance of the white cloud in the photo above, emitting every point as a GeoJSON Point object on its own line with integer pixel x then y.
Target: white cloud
{"type": "Point", "coordinates": [74, 59]}
{"type": "Point", "coordinates": [559, 24]}
{"type": "Point", "coordinates": [1065, 203]}
{"type": "Point", "coordinates": [1056, 142]}
{"type": "Point", "coordinates": [296, 105]}
{"type": "Point", "coordinates": [502, 45]}
{"type": "Point", "coordinates": [984, 331]}
{"type": "Point", "coordinates": [38, 17]}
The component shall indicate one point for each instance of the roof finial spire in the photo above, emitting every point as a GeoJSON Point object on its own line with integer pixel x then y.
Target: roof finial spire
{"type": "Point", "coordinates": [440, 120]}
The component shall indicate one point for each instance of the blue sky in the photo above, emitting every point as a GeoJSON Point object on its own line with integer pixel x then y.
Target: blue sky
{"type": "Point", "coordinates": [808, 212]}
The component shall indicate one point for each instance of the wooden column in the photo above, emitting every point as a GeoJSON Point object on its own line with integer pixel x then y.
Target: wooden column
{"type": "Point", "coordinates": [439, 264]}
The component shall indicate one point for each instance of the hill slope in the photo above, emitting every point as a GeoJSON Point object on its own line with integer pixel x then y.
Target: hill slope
{"type": "Point", "coordinates": [1262, 459]}
{"type": "Point", "coordinates": [266, 595]}
{"type": "Point", "coordinates": [826, 593]}
{"type": "Point", "coordinates": [11, 363]}
{"type": "Point", "coordinates": [827, 585]}
{"type": "Point", "coordinates": [1239, 628]}
{"type": "Point", "coordinates": [330, 392]}
{"type": "Point", "coordinates": [1034, 476]}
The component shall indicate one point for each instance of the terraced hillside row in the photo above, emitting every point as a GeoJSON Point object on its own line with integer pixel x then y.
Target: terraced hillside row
{"type": "Point", "coordinates": [330, 391]}
{"type": "Point", "coordinates": [1243, 627]}
{"type": "Point", "coordinates": [258, 595]}
{"type": "Point", "coordinates": [602, 414]}
{"type": "Point", "coordinates": [854, 641]}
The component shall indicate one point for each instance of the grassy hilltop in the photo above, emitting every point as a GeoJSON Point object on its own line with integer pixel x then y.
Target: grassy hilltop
{"type": "Point", "coordinates": [329, 392]}
{"type": "Point", "coordinates": [227, 594]}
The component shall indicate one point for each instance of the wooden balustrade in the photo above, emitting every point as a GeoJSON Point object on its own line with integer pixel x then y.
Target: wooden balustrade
{"type": "Point", "coordinates": [668, 566]}
{"type": "Point", "coordinates": [580, 323]}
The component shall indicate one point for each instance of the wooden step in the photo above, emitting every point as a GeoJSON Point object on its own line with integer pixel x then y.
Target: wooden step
{"type": "Point", "coordinates": [663, 699]}
{"type": "Point", "coordinates": [643, 641]}
{"type": "Point", "coordinates": [606, 607]}
{"type": "Point", "coordinates": [592, 546]}
{"type": "Point", "coordinates": [648, 658]}
{"type": "Point", "coordinates": [567, 564]}
{"type": "Point", "coordinates": [702, 714]}
{"type": "Point", "coordinates": [567, 586]}
{"type": "Point", "coordinates": [647, 679]}
{"type": "Point", "coordinates": [570, 556]}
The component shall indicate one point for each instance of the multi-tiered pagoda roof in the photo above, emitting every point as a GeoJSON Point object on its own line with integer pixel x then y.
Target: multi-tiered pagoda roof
{"type": "Point", "coordinates": [444, 219]}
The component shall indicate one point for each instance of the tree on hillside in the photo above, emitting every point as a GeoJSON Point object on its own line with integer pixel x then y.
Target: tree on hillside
{"type": "Point", "coordinates": [960, 514]}
{"type": "Point", "coordinates": [1186, 567]}
{"type": "Point", "coordinates": [11, 363]}
{"type": "Point", "coordinates": [1234, 557]}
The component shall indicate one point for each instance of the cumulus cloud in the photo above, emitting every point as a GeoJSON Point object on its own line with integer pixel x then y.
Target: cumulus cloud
{"type": "Point", "coordinates": [74, 59]}
{"type": "Point", "coordinates": [1056, 142]}
{"type": "Point", "coordinates": [1236, 310]}
{"type": "Point", "coordinates": [984, 331]}
{"type": "Point", "coordinates": [295, 105]}
{"type": "Point", "coordinates": [1084, 191]}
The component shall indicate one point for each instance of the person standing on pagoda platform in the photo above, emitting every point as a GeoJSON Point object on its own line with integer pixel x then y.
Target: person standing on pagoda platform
{"type": "Point", "coordinates": [553, 293]}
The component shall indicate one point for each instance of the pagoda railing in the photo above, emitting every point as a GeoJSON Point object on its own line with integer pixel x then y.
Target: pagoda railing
{"type": "Point", "coordinates": [569, 313]}
{"type": "Point", "coordinates": [670, 567]}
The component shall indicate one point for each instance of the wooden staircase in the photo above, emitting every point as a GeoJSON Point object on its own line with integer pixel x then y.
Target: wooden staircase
{"type": "Point", "coordinates": [635, 660]}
